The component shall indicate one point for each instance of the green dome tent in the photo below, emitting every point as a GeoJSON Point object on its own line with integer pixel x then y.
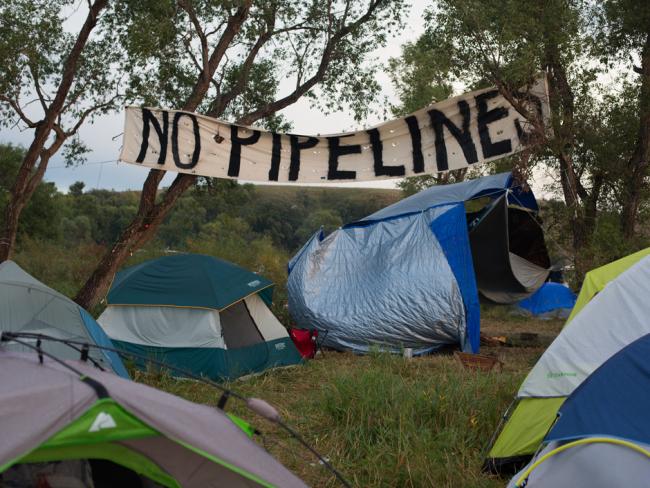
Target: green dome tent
{"type": "Point", "coordinates": [198, 313]}
{"type": "Point", "coordinates": [611, 311]}
{"type": "Point", "coordinates": [27, 305]}
{"type": "Point", "coordinates": [53, 412]}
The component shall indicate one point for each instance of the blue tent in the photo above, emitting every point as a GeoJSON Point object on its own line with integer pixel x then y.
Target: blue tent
{"type": "Point", "coordinates": [613, 401]}
{"type": "Point", "coordinates": [601, 437]}
{"type": "Point", "coordinates": [407, 275]}
{"type": "Point", "coordinates": [552, 299]}
{"type": "Point", "coordinates": [406, 281]}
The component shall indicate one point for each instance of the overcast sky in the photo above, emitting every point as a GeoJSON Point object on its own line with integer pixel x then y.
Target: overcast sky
{"type": "Point", "coordinates": [104, 138]}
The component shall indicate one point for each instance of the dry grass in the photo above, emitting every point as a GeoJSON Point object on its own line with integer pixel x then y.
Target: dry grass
{"type": "Point", "coordinates": [384, 420]}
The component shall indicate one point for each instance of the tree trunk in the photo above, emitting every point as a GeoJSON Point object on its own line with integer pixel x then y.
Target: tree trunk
{"type": "Point", "coordinates": [563, 107]}
{"type": "Point", "coordinates": [149, 217]}
{"type": "Point", "coordinates": [10, 229]}
{"type": "Point", "coordinates": [637, 167]}
{"type": "Point", "coordinates": [151, 214]}
{"type": "Point", "coordinates": [27, 180]}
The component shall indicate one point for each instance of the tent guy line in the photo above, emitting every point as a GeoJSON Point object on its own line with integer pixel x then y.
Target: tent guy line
{"type": "Point", "coordinates": [256, 405]}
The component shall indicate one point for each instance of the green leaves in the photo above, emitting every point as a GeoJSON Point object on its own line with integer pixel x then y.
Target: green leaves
{"type": "Point", "coordinates": [31, 41]}
{"type": "Point", "coordinates": [35, 41]}
{"type": "Point", "coordinates": [624, 27]}
{"type": "Point", "coordinates": [288, 42]}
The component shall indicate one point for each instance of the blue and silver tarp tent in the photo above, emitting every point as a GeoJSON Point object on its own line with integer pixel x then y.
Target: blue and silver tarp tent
{"type": "Point", "coordinates": [601, 437]}
{"type": "Point", "coordinates": [407, 276]}
{"type": "Point", "coordinates": [552, 300]}
{"type": "Point", "coordinates": [403, 282]}
{"type": "Point", "coordinates": [29, 306]}
{"type": "Point", "coordinates": [198, 313]}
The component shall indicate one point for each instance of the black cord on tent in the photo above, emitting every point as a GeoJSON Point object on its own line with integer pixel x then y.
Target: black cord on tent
{"type": "Point", "coordinates": [40, 351]}
{"type": "Point", "coordinates": [100, 390]}
{"type": "Point", "coordinates": [83, 351]}
{"type": "Point", "coordinates": [260, 407]}
{"type": "Point", "coordinates": [223, 400]}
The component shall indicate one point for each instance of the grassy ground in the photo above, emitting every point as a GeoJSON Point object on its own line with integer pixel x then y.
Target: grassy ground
{"type": "Point", "coordinates": [386, 421]}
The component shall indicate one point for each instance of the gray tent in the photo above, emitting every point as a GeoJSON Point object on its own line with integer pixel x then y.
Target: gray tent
{"type": "Point", "coordinates": [27, 305]}
{"type": "Point", "coordinates": [593, 465]}
{"type": "Point", "coordinates": [407, 276]}
{"type": "Point", "coordinates": [50, 413]}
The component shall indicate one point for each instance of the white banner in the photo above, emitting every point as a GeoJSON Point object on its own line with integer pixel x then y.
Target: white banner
{"type": "Point", "coordinates": [472, 128]}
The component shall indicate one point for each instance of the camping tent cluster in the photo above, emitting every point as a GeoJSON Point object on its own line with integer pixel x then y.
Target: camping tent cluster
{"type": "Point", "coordinates": [64, 420]}
{"type": "Point", "coordinates": [611, 313]}
{"type": "Point", "coordinates": [601, 437]}
{"type": "Point", "coordinates": [409, 274]}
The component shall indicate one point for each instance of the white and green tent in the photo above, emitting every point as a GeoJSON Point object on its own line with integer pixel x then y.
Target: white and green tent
{"type": "Point", "coordinates": [50, 412]}
{"type": "Point", "coordinates": [197, 313]}
{"type": "Point", "coordinates": [612, 310]}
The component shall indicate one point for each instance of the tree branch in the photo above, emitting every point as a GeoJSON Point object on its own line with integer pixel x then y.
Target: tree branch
{"type": "Point", "coordinates": [14, 104]}
{"type": "Point", "coordinates": [38, 89]}
{"type": "Point", "coordinates": [320, 73]}
{"type": "Point", "coordinates": [88, 112]}
{"type": "Point", "coordinates": [221, 101]}
{"type": "Point", "coordinates": [203, 83]}
{"type": "Point", "coordinates": [188, 50]}
{"type": "Point", "coordinates": [189, 9]}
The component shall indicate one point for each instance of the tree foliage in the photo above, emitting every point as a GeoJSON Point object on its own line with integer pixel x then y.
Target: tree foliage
{"type": "Point", "coordinates": [586, 50]}
{"type": "Point", "coordinates": [42, 214]}
{"type": "Point", "coordinates": [245, 61]}
{"type": "Point", "coordinates": [51, 83]}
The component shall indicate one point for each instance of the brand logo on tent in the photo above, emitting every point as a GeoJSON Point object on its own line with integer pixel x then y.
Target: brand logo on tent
{"type": "Point", "coordinates": [254, 283]}
{"type": "Point", "coordinates": [561, 374]}
{"type": "Point", "coordinates": [103, 421]}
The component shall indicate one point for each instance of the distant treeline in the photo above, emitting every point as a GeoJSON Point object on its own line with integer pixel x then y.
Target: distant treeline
{"type": "Point", "coordinates": [288, 215]}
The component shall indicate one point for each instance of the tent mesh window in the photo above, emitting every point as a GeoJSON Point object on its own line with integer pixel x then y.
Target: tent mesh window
{"type": "Point", "coordinates": [238, 327]}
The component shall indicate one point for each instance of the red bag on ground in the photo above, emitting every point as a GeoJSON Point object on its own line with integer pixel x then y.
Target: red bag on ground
{"type": "Point", "coordinates": [305, 341]}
